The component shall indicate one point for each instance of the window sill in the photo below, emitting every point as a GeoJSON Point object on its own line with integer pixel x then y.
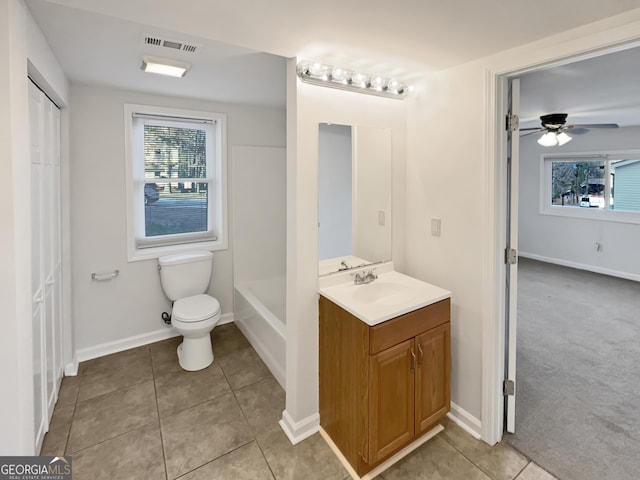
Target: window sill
{"type": "Point", "coordinates": [151, 253]}
{"type": "Point", "coordinates": [598, 214]}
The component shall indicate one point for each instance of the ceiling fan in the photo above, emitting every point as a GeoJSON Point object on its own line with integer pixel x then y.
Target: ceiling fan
{"type": "Point", "coordinates": [555, 128]}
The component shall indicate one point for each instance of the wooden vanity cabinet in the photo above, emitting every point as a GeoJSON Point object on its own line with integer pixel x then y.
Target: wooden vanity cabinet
{"type": "Point", "coordinates": [382, 387]}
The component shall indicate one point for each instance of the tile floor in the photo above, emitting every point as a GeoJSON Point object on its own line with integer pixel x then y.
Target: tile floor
{"type": "Point", "coordinates": [137, 415]}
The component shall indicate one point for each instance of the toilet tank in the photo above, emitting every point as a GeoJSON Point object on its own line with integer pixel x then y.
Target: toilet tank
{"type": "Point", "coordinates": [185, 274]}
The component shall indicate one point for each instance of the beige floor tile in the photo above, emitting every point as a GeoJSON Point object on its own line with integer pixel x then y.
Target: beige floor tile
{"type": "Point", "coordinates": [435, 460]}
{"type": "Point", "coordinates": [135, 455]}
{"type": "Point", "coordinates": [164, 356]}
{"type": "Point", "coordinates": [182, 390]}
{"type": "Point", "coordinates": [534, 472]}
{"type": "Point", "coordinates": [311, 459]}
{"type": "Point", "coordinates": [227, 339]}
{"type": "Point", "coordinates": [243, 367]}
{"type": "Point", "coordinates": [500, 462]}
{"type": "Point", "coordinates": [55, 441]}
{"type": "Point", "coordinates": [112, 372]}
{"type": "Point", "coordinates": [68, 393]}
{"type": "Point", "coordinates": [203, 433]}
{"type": "Point", "coordinates": [245, 463]}
{"type": "Point", "coordinates": [262, 404]}
{"type": "Point", "coordinates": [115, 413]}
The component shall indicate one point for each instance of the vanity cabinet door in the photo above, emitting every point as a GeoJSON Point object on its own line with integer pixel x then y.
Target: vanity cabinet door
{"type": "Point", "coordinates": [391, 399]}
{"type": "Point", "coordinates": [432, 377]}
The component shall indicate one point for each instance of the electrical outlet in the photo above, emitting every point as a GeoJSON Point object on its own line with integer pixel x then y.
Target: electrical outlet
{"type": "Point", "coordinates": [381, 218]}
{"type": "Point", "coordinates": [435, 227]}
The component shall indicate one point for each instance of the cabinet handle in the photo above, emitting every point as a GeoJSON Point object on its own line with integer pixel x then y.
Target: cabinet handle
{"type": "Point", "coordinates": [420, 355]}
{"type": "Point", "coordinates": [413, 360]}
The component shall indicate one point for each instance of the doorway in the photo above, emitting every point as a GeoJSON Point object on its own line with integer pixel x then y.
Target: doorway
{"type": "Point", "coordinates": [574, 413]}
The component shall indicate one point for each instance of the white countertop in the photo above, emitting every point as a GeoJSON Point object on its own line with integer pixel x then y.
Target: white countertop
{"type": "Point", "coordinates": [391, 295]}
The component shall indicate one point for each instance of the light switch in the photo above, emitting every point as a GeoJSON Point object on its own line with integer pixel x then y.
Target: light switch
{"type": "Point", "coordinates": [435, 227]}
{"type": "Point", "coordinates": [381, 217]}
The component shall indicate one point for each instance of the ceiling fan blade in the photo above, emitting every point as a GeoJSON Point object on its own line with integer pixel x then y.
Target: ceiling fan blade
{"type": "Point", "coordinates": [537, 130]}
{"type": "Point", "coordinates": [594, 125]}
{"type": "Point", "coordinates": [533, 129]}
{"type": "Point", "coordinates": [578, 130]}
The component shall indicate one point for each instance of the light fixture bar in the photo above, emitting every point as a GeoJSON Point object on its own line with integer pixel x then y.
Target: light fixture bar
{"type": "Point", "coordinates": [345, 79]}
{"type": "Point", "coordinates": [164, 66]}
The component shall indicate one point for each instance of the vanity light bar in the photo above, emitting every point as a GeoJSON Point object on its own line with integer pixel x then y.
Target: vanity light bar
{"type": "Point", "coordinates": [344, 79]}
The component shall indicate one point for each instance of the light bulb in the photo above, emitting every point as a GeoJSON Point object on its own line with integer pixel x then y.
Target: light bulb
{"type": "Point", "coordinates": [549, 139]}
{"type": "Point", "coordinates": [338, 74]}
{"type": "Point", "coordinates": [359, 79]}
{"type": "Point", "coordinates": [315, 68]}
{"type": "Point", "coordinates": [563, 138]}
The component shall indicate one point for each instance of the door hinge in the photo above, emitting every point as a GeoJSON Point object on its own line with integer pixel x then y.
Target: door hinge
{"type": "Point", "coordinates": [510, 256]}
{"type": "Point", "coordinates": [508, 387]}
{"type": "Point", "coordinates": [512, 123]}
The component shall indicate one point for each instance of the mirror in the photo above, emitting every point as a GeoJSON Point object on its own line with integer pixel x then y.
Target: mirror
{"type": "Point", "coordinates": [354, 196]}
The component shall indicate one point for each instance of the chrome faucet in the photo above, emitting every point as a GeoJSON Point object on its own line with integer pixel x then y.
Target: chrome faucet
{"type": "Point", "coordinates": [343, 266]}
{"type": "Point", "coordinates": [364, 277]}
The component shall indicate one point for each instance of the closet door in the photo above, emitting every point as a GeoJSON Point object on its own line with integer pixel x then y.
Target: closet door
{"type": "Point", "coordinates": [36, 136]}
{"type": "Point", "coordinates": [48, 237]}
{"type": "Point", "coordinates": [56, 244]}
{"type": "Point", "coordinates": [44, 121]}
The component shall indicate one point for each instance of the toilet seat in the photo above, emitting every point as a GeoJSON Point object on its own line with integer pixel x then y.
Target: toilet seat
{"type": "Point", "coordinates": [196, 308]}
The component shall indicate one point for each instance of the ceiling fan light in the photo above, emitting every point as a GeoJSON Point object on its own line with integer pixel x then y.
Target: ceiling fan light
{"type": "Point", "coordinates": [549, 139]}
{"type": "Point", "coordinates": [563, 138]}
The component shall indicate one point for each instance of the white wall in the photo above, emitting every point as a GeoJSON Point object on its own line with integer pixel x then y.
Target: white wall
{"type": "Point", "coordinates": [444, 180]}
{"type": "Point", "coordinates": [307, 106]}
{"type": "Point", "coordinates": [22, 43]}
{"type": "Point", "coordinates": [572, 240]}
{"type": "Point", "coordinates": [259, 213]}
{"type": "Point", "coordinates": [455, 171]}
{"type": "Point", "coordinates": [130, 306]}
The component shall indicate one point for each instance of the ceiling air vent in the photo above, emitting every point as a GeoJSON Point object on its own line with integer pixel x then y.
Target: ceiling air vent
{"type": "Point", "coordinates": [172, 44]}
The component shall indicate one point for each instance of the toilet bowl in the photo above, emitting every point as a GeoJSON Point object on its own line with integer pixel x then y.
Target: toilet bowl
{"type": "Point", "coordinates": [194, 318]}
{"type": "Point", "coordinates": [185, 278]}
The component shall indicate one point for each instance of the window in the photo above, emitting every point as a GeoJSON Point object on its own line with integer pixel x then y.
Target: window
{"type": "Point", "coordinates": [176, 181]}
{"type": "Point", "coordinates": [605, 186]}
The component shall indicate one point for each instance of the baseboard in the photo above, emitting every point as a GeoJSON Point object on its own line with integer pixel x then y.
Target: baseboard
{"type": "Point", "coordinates": [71, 368]}
{"type": "Point", "coordinates": [581, 266]}
{"type": "Point", "coordinates": [264, 353]}
{"type": "Point", "coordinates": [466, 421]}
{"type": "Point", "coordinates": [132, 342]}
{"type": "Point", "coordinates": [387, 463]}
{"type": "Point", "coordinates": [298, 431]}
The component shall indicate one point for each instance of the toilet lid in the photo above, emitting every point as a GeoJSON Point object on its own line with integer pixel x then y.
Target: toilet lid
{"type": "Point", "coordinates": [196, 308]}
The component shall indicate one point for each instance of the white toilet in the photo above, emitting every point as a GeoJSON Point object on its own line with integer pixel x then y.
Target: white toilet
{"type": "Point", "coordinates": [185, 277]}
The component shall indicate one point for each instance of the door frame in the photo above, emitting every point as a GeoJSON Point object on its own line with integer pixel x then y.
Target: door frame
{"type": "Point", "coordinates": [589, 41]}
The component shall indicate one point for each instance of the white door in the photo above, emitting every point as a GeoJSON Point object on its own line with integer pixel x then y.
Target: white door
{"type": "Point", "coordinates": [44, 132]}
{"type": "Point", "coordinates": [511, 297]}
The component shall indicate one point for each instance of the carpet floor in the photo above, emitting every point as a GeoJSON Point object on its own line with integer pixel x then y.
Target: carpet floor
{"type": "Point", "coordinates": [578, 372]}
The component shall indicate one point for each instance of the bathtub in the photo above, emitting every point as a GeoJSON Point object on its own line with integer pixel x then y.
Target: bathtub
{"type": "Point", "coordinates": [259, 312]}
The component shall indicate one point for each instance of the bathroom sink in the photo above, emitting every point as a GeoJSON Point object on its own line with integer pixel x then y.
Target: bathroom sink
{"type": "Point", "coordinates": [383, 292]}
{"type": "Point", "coordinates": [392, 294]}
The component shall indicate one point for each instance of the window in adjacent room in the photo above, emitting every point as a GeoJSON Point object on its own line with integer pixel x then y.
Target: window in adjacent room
{"type": "Point", "coordinates": [176, 181]}
{"type": "Point", "coordinates": [603, 185]}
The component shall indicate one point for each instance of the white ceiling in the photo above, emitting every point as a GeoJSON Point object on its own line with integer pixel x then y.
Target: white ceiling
{"type": "Point", "coordinates": [100, 42]}
{"type": "Point", "coordinates": [604, 89]}
{"type": "Point", "coordinates": [96, 49]}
